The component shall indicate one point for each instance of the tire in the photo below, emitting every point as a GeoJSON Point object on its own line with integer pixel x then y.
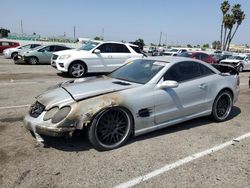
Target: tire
{"type": "Point", "coordinates": [110, 129]}
{"type": "Point", "coordinates": [240, 68]}
{"type": "Point", "coordinates": [77, 69]}
{"type": "Point", "coordinates": [14, 54]}
{"type": "Point", "coordinates": [32, 60]}
{"type": "Point", "coordinates": [222, 106]}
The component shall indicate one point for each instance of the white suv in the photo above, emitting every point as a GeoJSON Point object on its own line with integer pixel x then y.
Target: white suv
{"type": "Point", "coordinates": [94, 57]}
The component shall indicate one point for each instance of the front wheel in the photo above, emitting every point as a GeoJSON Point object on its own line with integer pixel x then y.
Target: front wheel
{"type": "Point", "coordinates": [110, 129]}
{"type": "Point", "coordinates": [240, 68]}
{"type": "Point", "coordinates": [222, 106]}
{"type": "Point", "coordinates": [77, 70]}
{"type": "Point", "coordinates": [13, 55]}
{"type": "Point", "coordinates": [32, 60]}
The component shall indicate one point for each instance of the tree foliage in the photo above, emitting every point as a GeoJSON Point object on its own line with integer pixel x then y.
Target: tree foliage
{"type": "Point", "coordinates": [98, 38]}
{"type": "Point", "coordinates": [216, 45]}
{"type": "Point", "coordinates": [4, 32]}
{"type": "Point", "coordinates": [139, 42]}
{"type": "Point", "coordinates": [231, 20]}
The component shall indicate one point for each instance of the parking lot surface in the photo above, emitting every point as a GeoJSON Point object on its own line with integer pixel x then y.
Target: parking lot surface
{"type": "Point", "coordinates": [73, 162]}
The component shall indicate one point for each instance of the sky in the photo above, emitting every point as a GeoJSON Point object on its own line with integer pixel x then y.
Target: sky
{"type": "Point", "coordinates": [181, 22]}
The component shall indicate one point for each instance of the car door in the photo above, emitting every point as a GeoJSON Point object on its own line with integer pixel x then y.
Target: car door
{"type": "Point", "coordinates": [48, 53]}
{"type": "Point", "coordinates": [120, 53]}
{"type": "Point", "coordinates": [189, 98]}
{"type": "Point", "coordinates": [99, 62]}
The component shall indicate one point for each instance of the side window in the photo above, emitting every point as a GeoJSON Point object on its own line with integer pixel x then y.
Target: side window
{"type": "Point", "coordinates": [183, 71]}
{"type": "Point", "coordinates": [52, 49]}
{"type": "Point", "coordinates": [204, 56]}
{"type": "Point", "coordinates": [34, 45]}
{"type": "Point", "coordinates": [105, 48]}
{"type": "Point", "coordinates": [136, 49]}
{"type": "Point", "coordinates": [59, 48]}
{"type": "Point", "coordinates": [47, 48]}
{"type": "Point", "coordinates": [25, 47]}
{"type": "Point", "coordinates": [205, 70]}
{"type": "Point", "coordinates": [120, 48]}
{"type": "Point", "coordinates": [5, 44]}
{"type": "Point", "coordinates": [197, 56]}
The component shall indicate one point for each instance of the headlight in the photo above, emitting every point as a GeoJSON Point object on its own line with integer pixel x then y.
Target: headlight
{"type": "Point", "coordinates": [49, 114]}
{"type": "Point", "coordinates": [67, 56]}
{"type": "Point", "coordinates": [61, 114]}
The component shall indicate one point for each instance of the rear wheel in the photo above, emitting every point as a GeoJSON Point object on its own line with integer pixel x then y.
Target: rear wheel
{"type": "Point", "coordinates": [110, 129]}
{"type": "Point", "coordinates": [222, 106]}
{"type": "Point", "coordinates": [77, 70]}
{"type": "Point", "coordinates": [32, 60]}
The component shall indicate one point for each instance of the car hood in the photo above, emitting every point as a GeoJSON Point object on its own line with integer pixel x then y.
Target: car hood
{"type": "Point", "coordinates": [90, 87]}
{"type": "Point", "coordinates": [73, 52]}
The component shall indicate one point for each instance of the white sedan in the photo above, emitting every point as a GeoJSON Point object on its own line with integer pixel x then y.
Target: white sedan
{"type": "Point", "coordinates": [144, 95]}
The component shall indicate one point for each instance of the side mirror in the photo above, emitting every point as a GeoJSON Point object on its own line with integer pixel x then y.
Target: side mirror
{"type": "Point", "coordinates": [97, 51]}
{"type": "Point", "coordinates": [168, 84]}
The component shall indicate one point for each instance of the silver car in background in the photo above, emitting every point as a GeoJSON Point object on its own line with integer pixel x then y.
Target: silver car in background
{"type": "Point", "coordinates": [40, 55]}
{"type": "Point", "coordinates": [142, 96]}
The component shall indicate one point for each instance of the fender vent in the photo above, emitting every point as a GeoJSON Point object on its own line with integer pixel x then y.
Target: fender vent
{"type": "Point", "coordinates": [144, 112]}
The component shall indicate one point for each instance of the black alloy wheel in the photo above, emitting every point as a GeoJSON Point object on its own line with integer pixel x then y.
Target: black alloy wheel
{"type": "Point", "coordinates": [110, 129]}
{"type": "Point", "coordinates": [222, 106]}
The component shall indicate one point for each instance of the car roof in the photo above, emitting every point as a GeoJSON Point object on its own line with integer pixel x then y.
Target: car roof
{"type": "Point", "coordinates": [118, 43]}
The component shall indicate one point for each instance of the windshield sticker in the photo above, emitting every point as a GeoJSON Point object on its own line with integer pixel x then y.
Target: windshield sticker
{"type": "Point", "coordinates": [159, 63]}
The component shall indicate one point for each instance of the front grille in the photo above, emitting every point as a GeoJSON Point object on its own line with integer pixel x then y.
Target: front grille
{"type": "Point", "coordinates": [54, 57]}
{"type": "Point", "coordinates": [36, 109]}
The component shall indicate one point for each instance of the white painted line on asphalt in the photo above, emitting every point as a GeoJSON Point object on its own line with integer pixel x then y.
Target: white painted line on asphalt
{"type": "Point", "coordinates": [9, 107]}
{"type": "Point", "coordinates": [178, 163]}
{"type": "Point", "coordinates": [31, 82]}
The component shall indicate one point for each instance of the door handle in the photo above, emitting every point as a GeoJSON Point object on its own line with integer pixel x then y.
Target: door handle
{"type": "Point", "coordinates": [110, 56]}
{"type": "Point", "coordinates": [203, 86]}
{"type": "Point", "coordinates": [129, 56]}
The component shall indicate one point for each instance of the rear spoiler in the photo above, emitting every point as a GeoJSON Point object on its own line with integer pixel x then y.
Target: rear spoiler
{"type": "Point", "coordinates": [224, 68]}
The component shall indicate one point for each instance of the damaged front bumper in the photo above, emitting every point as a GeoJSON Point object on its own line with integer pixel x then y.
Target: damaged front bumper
{"type": "Point", "coordinates": [35, 125]}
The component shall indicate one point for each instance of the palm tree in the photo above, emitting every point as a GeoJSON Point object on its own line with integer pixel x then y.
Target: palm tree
{"type": "Point", "coordinates": [225, 6]}
{"type": "Point", "coordinates": [228, 21]}
{"type": "Point", "coordinates": [239, 16]}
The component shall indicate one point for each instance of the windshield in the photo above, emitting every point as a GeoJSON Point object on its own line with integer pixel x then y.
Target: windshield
{"type": "Point", "coordinates": [89, 46]}
{"type": "Point", "coordinates": [139, 71]}
{"type": "Point", "coordinates": [236, 57]}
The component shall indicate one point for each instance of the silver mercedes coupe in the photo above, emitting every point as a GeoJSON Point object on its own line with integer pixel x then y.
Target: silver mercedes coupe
{"type": "Point", "coordinates": [144, 95]}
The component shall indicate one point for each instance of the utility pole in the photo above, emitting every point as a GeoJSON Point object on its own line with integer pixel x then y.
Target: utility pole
{"type": "Point", "coordinates": [22, 26]}
{"type": "Point", "coordinates": [166, 39]}
{"type": "Point", "coordinates": [102, 33]}
{"type": "Point", "coordinates": [74, 32]}
{"type": "Point", "coordinates": [160, 39]}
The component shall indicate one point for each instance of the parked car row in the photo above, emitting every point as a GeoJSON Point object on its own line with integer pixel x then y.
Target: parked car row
{"type": "Point", "coordinates": [12, 52]}
{"type": "Point", "coordinates": [98, 56]}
